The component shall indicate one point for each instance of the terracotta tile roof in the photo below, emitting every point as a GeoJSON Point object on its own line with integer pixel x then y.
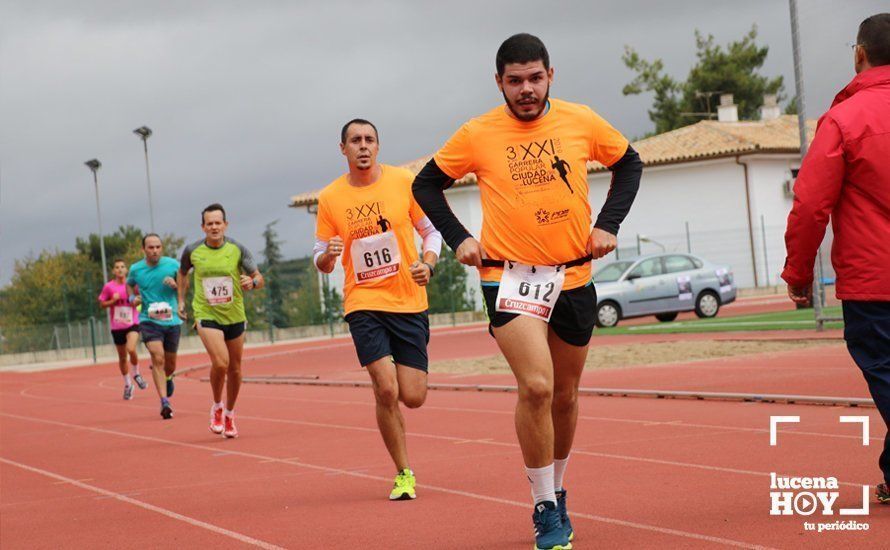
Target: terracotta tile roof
{"type": "Point", "coordinates": [711, 139]}
{"type": "Point", "coordinates": [703, 140]}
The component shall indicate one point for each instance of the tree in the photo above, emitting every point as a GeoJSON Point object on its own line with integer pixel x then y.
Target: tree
{"type": "Point", "coordinates": [332, 302]}
{"type": "Point", "coordinates": [58, 287]}
{"type": "Point", "coordinates": [305, 307]}
{"type": "Point", "coordinates": [55, 287]}
{"type": "Point", "coordinates": [125, 243]}
{"type": "Point", "coordinates": [733, 69]}
{"type": "Point", "coordinates": [274, 286]}
{"type": "Point", "coordinates": [448, 291]}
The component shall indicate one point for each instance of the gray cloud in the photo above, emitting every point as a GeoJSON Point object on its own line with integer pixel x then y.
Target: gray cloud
{"type": "Point", "coordinates": [246, 99]}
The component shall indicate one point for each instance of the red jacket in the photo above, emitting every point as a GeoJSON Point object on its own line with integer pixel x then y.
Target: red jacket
{"type": "Point", "coordinates": [846, 174]}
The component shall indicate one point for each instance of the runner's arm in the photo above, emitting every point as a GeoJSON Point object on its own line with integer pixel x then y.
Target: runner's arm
{"type": "Point", "coordinates": [103, 303]}
{"type": "Point", "coordinates": [251, 277]}
{"type": "Point", "coordinates": [429, 191]}
{"type": "Point", "coordinates": [432, 240]}
{"type": "Point", "coordinates": [626, 174]}
{"type": "Point", "coordinates": [325, 254]}
{"type": "Point", "coordinates": [182, 276]}
{"type": "Point", "coordinates": [132, 292]}
{"type": "Point", "coordinates": [182, 288]}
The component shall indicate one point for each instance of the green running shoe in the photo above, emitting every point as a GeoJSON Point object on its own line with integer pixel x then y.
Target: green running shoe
{"type": "Point", "coordinates": [403, 487]}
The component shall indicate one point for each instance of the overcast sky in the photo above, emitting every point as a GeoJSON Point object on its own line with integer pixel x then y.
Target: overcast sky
{"type": "Point", "coordinates": [246, 99]}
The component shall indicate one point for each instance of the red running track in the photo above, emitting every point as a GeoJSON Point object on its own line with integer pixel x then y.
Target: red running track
{"type": "Point", "coordinates": [82, 468]}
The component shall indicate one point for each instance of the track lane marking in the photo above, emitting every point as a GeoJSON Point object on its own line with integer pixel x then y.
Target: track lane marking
{"type": "Point", "coordinates": [144, 505]}
{"type": "Point", "coordinates": [356, 474]}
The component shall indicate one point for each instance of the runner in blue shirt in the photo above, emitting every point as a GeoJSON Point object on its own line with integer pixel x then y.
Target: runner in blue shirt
{"type": "Point", "coordinates": [159, 322]}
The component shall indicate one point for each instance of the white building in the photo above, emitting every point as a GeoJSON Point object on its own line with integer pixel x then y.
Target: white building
{"type": "Point", "coordinates": [721, 189]}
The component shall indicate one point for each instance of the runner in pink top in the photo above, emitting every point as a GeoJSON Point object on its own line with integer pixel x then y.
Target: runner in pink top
{"type": "Point", "coordinates": [124, 326]}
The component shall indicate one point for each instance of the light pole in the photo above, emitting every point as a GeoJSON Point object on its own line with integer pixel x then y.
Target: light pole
{"type": "Point", "coordinates": [144, 132]}
{"type": "Point", "coordinates": [645, 239]}
{"type": "Point", "coordinates": [94, 166]}
{"type": "Point", "coordinates": [818, 291]}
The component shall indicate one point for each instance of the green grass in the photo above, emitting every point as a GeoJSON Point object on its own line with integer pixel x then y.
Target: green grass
{"type": "Point", "coordinates": [800, 319]}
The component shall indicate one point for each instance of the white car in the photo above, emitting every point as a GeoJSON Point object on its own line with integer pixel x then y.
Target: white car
{"type": "Point", "coordinates": [662, 285]}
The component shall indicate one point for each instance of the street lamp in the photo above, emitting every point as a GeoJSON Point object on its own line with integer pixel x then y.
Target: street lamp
{"type": "Point", "coordinates": [645, 239]}
{"type": "Point", "coordinates": [94, 166]}
{"type": "Point", "coordinates": [144, 132]}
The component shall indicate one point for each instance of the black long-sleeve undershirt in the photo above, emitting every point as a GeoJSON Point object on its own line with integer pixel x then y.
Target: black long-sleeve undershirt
{"type": "Point", "coordinates": [429, 191]}
{"type": "Point", "coordinates": [626, 174]}
{"type": "Point", "coordinates": [430, 185]}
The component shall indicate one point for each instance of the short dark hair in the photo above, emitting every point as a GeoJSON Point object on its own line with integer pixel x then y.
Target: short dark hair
{"type": "Point", "coordinates": [147, 235]}
{"type": "Point", "coordinates": [213, 208]}
{"type": "Point", "coordinates": [357, 121]}
{"type": "Point", "coordinates": [118, 260]}
{"type": "Point", "coordinates": [874, 37]}
{"type": "Point", "coordinates": [521, 48]}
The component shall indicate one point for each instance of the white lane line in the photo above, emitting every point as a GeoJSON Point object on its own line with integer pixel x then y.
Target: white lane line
{"type": "Point", "coordinates": [351, 473]}
{"type": "Point", "coordinates": [150, 507]}
{"type": "Point", "coordinates": [680, 424]}
{"type": "Point", "coordinates": [464, 440]}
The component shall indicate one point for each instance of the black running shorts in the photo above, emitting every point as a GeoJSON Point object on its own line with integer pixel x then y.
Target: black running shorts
{"type": "Point", "coordinates": [119, 336]}
{"type": "Point", "coordinates": [573, 316]}
{"type": "Point", "coordinates": [379, 334]}
{"type": "Point", "coordinates": [230, 332]}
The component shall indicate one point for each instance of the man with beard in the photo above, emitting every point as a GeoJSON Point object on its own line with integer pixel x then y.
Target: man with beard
{"type": "Point", "coordinates": [535, 250]}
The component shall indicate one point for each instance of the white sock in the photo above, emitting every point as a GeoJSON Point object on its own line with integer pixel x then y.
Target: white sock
{"type": "Point", "coordinates": [127, 381]}
{"type": "Point", "coordinates": [217, 406]}
{"type": "Point", "coordinates": [135, 369]}
{"type": "Point", "coordinates": [230, 413]}
{"type": "Point", "coordinates": [559, 472]}
{"type": "Point", "coordinates": [541, 480]}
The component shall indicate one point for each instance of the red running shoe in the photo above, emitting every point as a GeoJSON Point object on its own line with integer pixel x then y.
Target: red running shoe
{"type": "Point", "coordinates": [230, 431]}
{"type": "Point", "coordinates": [216, 420]}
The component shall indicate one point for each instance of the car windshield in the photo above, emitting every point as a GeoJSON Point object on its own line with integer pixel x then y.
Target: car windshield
{"type": "Point", "coordinates": [611, 272]}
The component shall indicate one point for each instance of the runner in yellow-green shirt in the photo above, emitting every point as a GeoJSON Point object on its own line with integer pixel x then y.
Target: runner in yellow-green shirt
{"type": "Point", "coordinates": [223, 270]}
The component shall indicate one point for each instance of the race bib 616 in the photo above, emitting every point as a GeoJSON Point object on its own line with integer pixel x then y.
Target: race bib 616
{"type": "Point", "coordinates": [375, 257]}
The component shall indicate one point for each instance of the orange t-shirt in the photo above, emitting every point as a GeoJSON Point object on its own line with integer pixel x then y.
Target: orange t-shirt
{"type": "Point", "coordinates": [362, 216]}
{"type": "Point", "coordinates": [533, 182]}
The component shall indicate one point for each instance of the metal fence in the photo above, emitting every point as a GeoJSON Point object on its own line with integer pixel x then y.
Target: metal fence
{"type": "Point", "coordinates": [85, 334]}
{"type": "Point", "coordinates": [755, 256]}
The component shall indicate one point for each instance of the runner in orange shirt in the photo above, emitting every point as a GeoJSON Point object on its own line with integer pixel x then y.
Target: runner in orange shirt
{"type": "Point", "coordinates": [369, 216]}
{"type": "Point", "coordinates": [530, 159]}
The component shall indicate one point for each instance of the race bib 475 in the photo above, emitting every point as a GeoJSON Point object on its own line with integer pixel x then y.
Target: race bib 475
{"type": "Point", "coordinates": [218, 290]}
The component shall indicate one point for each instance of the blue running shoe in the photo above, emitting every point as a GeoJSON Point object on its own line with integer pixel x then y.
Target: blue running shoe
{"type": "Point", "coordinates": [170, 386]}
{"type": "Point", "coordinates": [166, 410]}
{"type": "Point", "coordinates": [128, 392]}
{"type": "Point", "coordinates": [564, 514]}
{"type": "Point", "coordinates": [140, 381]}
{"type": "Point", "coordinates": [549, 534]}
